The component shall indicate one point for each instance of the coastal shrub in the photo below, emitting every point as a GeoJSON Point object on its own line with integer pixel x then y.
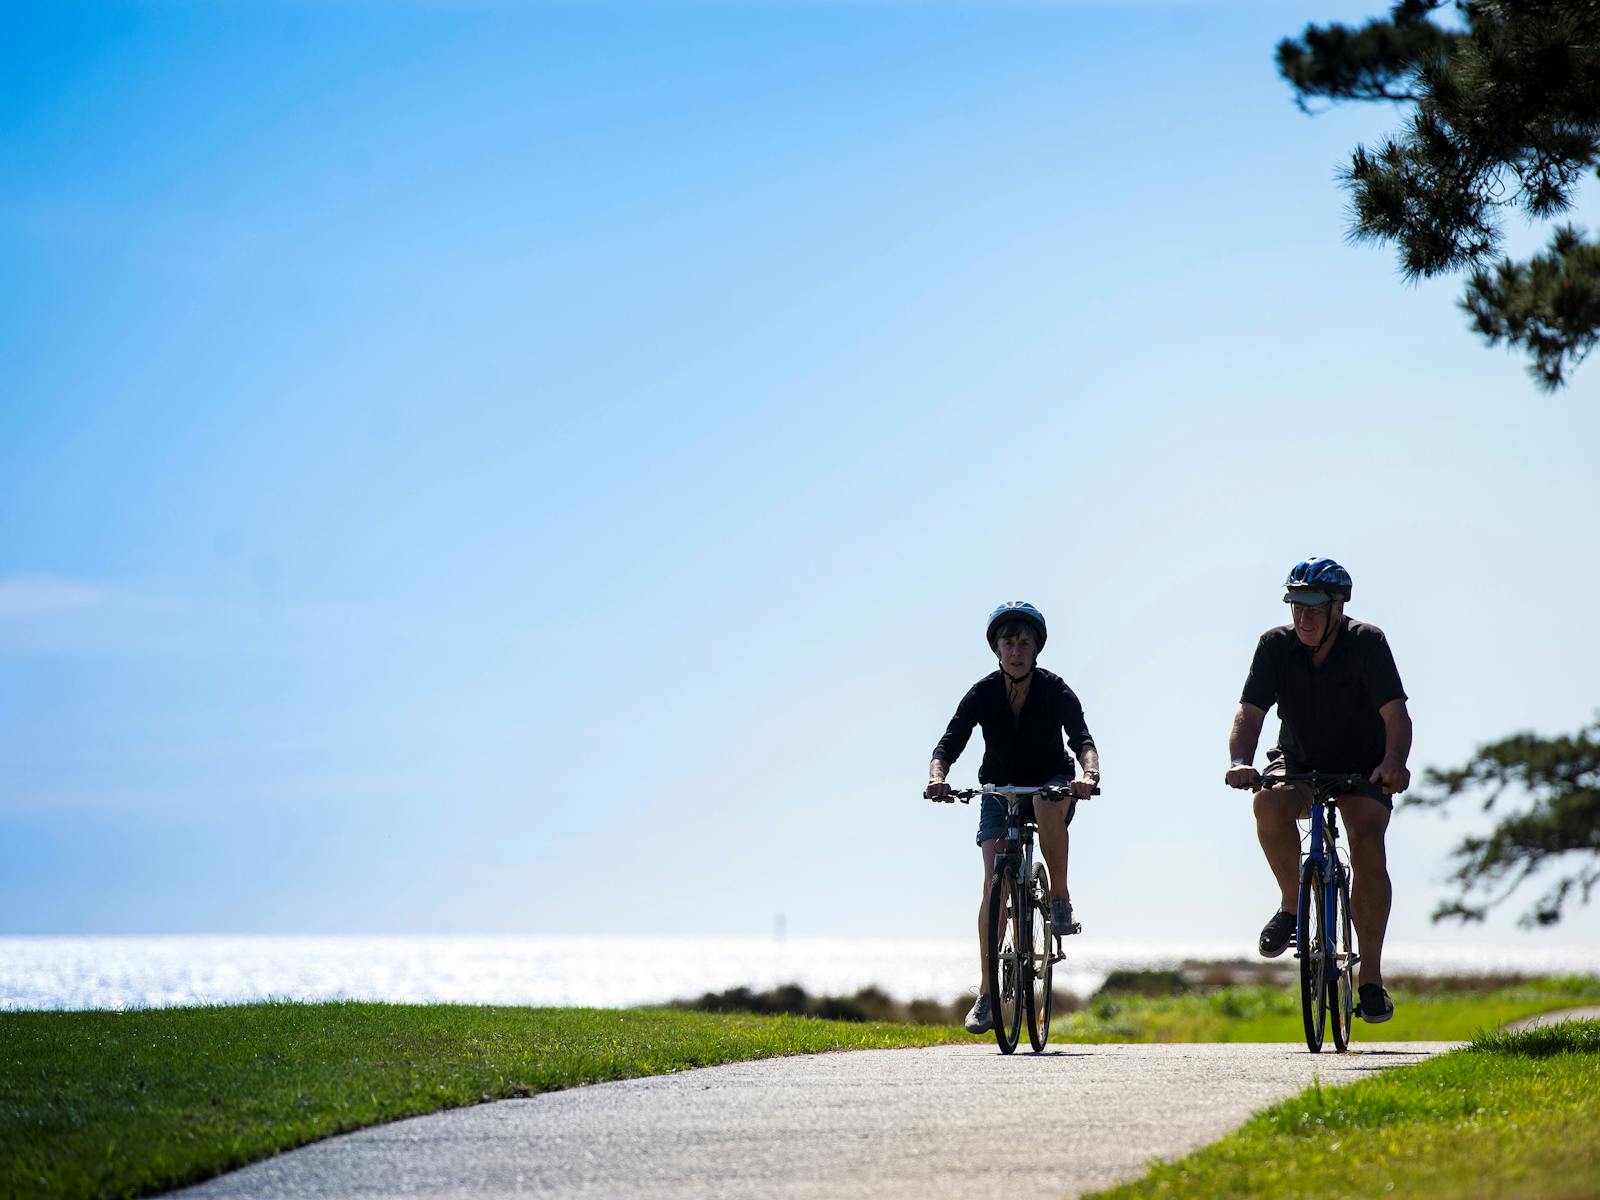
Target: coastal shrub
{"type": "Point", "coordinates": [790, 999]}
{"type": "Point", "coordinates": [1144, 983]}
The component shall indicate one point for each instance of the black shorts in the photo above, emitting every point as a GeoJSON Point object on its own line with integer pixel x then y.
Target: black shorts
{"type": "Point", "coordinates": [1277, 764]}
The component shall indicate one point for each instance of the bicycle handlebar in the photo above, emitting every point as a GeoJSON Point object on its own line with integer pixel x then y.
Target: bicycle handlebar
{"type": "Point", "coordinates": [1315, 777]}
{"type": "Point", "coordinates": [1322, 782]}
{"type": "Point", "coordinates": [1050, 791]}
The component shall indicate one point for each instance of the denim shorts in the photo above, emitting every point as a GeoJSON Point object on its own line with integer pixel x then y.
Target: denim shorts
{"type": "Point", "coordinates": [992, 816]}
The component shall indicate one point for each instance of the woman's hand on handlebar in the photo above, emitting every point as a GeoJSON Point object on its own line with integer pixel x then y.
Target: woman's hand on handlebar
{"type": "Point", "coordinates": [939, 790]}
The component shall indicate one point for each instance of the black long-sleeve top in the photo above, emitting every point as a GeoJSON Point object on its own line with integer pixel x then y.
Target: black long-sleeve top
{"type": "Point", "coordinates": [1025, 750]}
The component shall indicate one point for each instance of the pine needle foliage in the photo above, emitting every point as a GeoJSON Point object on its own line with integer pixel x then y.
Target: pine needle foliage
{"type": "Point", "coordinates": [1559, 778]}
{"type": "Point", "coordinates": [1504, 113]}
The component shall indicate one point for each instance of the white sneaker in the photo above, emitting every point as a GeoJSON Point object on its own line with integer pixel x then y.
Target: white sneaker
{"type": "Point", "coordinates": [979, 1019]}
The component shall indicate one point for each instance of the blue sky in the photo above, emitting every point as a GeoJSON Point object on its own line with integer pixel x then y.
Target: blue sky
{"type": "Point", "coordinates": [544, 468]}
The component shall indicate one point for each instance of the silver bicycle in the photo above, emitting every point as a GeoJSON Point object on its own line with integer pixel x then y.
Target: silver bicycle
{"type": "Point", "coordinates": [1024, 946]}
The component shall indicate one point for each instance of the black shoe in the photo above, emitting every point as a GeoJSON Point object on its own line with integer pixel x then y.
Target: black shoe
{"type": "Point", "coordinates": [1061, 918]}
{"type": "Point", "coordinates": [1373, 1004]}
{"type": "Point", "coordinates": [1277, 934]}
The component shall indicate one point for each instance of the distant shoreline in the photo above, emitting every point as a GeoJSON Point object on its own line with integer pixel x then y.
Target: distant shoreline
{"type": "Point", "coordinates": [77, 972]}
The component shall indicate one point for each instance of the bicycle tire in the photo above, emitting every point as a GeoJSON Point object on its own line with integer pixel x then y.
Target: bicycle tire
{"type": "Point", "coordinates": [1310, 942]}
{"type": "Point", "coordinates": [1005, 982]}
{"type": "Point", "coordinates": [1342, 985]}
{"type": "Point", "coordinates": [1041, 960]}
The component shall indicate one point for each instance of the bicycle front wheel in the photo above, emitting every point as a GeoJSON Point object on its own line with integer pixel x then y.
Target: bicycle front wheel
{"type": "Point", "coordinates": [1311, 936]}
{"type": "Point", "coordinates": [1342, 970]}
{"type": "Point", "coordinates": [1006, 984]}
{"type": "Point", "coordinates": [1041, 959]}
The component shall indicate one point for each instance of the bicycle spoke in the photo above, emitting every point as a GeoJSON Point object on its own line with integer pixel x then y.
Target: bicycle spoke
{"type": "Point", "coordinates": [1004, 962]}
{"type": "Point", "coordinates": [1042, 956]}
{"type": "Point", "coordinates": [1341, 986]}
{"type": "Point", "coordinates": [1311, 939]}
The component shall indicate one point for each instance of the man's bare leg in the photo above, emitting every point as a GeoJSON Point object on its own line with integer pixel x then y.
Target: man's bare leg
{"type": "Point", "coordinates": [1371, 895]}
{"type": "Point", "coordinates": [1276, 810]}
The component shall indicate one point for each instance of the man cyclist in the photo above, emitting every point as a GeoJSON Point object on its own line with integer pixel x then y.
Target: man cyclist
{"type": "Point", "coordinates": [1023, 710]}
{"type": "Point", "coordinates": [1343, 711]}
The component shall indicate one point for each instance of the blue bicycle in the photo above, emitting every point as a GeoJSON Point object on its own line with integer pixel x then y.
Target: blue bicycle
{"type": "Point", "coordinates": [1324, 943]}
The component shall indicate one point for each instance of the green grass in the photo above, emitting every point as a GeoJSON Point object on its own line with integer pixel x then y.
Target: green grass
{"type": "Point", "coordinates": [1513, 1116]}
{"type": "Point", "coordinates": [1272, 1014]}
{"type": "Point", "coordinates": [127, 1104]}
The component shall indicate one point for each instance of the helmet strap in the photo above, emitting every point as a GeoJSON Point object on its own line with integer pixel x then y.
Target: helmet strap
{"type": "Point", "coordinates": [1327, 632]}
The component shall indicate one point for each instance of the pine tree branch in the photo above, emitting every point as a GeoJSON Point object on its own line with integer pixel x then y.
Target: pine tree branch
{"type": "Point", "coordinates": [1335, 62]}
{"type": "Point", "coordinates": [1505, 114]}
{"type": "Point", "coordinates": [1549, 305]}
{"type": "Point", "coordinates": [1561, 778]}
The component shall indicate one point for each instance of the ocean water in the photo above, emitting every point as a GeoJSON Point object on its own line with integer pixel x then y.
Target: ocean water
{"type": "Point", "coordinates": [135, 972]}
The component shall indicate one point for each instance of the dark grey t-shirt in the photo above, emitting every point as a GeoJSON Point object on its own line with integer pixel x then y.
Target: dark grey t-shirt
{"type": "Point", "coordinates": [1329, 713]}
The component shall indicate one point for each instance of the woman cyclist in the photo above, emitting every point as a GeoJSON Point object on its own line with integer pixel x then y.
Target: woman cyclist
{"type": "Point", "coordinates": [1023, 710]}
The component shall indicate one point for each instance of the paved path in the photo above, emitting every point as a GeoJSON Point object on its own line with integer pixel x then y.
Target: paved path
{"type": "Point", "coordinates": [955, 1121]}
{"type": "Point", "coordinates": [1553, 1018]}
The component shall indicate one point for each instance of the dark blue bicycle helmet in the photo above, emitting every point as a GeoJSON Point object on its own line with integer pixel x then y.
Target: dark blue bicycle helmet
{"type": "Point", "coordinates": [1017, 610]}
{"type": "Point", "coordinates": [1315, 582]}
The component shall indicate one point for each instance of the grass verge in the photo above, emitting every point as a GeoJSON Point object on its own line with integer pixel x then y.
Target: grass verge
{"type": "Point", "coordinates": [1208, 1004]}
{"type": "Point", "coordinates": [1511, 1116]}
{"type": "Point", "coordinates": [127, 1104]}
{"type": "Point", "coordinates": [1423, 1012]}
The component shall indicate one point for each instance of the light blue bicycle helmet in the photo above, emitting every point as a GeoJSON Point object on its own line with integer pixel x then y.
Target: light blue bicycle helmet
{"type": "Point", "coordinates": [1016, 610]}
{"type": "Point", "coordinates": [1316, 582]}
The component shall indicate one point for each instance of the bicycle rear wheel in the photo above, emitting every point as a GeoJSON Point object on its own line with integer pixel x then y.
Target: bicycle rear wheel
{"type": "Point", "coordinates": [1342, 971]}
{"type": "Point", "coordinates": [1005, 957]}
{"type": "Point", "coordinates": [1311, 938]}
{"type": "Point", "coordinates": [1041, 956]}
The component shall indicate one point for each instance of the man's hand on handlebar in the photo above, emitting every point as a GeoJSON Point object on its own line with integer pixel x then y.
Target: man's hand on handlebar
{"type": "Point", "coordinates": [1082, 789]}
{"type": "Point", "coordinates": [938, 790]}
{"type": "Point", "coordinates": [1393, 776]}
{"type": "Point", "coordinates": [1242, 776]}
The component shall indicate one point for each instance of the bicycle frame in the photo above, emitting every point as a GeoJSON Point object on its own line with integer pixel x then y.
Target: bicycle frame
{"type": "Point", "coordinates": [1322, 864]}
{"type": "Point", "coordinates": [1322, 855]}
{"type": "Point", "coordinates": [1017, 855]}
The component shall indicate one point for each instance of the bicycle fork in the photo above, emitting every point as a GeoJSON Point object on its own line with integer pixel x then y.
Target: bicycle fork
{"type": "Point", "coordinates": [1333, 878]}
{"type": "Point", "coordinates": [1041, 900]}
{"type": "Point", "coordinates": [1339, 883]}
